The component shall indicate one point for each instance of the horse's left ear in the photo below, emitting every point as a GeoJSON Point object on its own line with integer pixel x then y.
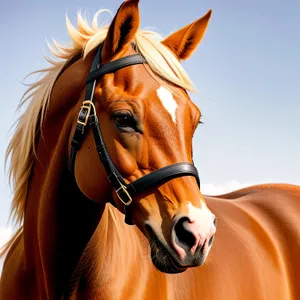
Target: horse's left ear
{"type": "Point", "coordinates": [122, 29]}
{"type": "Point", "coordinates": [185, 41]}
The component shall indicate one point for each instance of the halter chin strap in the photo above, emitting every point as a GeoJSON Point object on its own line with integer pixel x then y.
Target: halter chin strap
{"type": "Point", "coordinates": [88, 117]}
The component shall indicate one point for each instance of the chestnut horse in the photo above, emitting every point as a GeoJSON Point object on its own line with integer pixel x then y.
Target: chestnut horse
{"type": "Point", "coordinates": [119, 94]}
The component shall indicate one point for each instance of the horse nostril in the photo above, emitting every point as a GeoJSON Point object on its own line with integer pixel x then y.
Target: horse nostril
{"type": "Point", "coordinates": [183, 234]}
{"type": "Point", "coordinates": [211, 240]}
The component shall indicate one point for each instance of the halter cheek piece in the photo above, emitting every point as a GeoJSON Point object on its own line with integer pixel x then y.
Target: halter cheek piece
{"type": "Point", "coordinates": [88, 118]}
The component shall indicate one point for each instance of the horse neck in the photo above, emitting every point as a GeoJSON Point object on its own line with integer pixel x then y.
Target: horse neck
{"type": "Point", "coordinates": [115, 259]}
{"type": "Point", "coordinates": [59, 220]}
{"type": "Point", "coordinates": [101, 257]}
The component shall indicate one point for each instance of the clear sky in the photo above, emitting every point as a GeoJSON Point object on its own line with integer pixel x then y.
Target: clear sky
{"type": "Point", "coordinates": [247, 68]}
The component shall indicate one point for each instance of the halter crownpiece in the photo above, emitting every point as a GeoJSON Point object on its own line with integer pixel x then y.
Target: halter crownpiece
{"type": "Point", "coordinates": [87, 117]}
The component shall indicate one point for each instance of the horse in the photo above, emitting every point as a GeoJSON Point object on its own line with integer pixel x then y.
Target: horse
{"type": "Point", "coordinates": [106, 193]}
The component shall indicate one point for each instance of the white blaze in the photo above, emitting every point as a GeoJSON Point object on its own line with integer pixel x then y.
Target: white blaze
{"type": "Point", "coordinates": [167, 100]}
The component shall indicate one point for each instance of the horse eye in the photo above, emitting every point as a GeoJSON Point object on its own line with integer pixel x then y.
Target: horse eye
{"type": "Point", "coordinates": [124, 120]}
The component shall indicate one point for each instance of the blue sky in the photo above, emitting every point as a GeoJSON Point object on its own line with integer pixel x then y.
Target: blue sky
{"type": "Point", "coordinates": [247, 69]}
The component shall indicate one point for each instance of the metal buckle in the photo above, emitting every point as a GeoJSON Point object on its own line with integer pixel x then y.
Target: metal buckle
{"type": "Point", "coordinates": [124, 189]}
{"type": "Point", "coordinates": [87, 115]}
{"type": "Point", "coordinates": [87, 104]}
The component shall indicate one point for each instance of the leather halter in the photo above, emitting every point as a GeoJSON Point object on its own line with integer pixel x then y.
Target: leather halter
{"type": "Point", "coordinates": [88, 118]}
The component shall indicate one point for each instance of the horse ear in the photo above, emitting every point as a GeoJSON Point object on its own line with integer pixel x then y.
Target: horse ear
{"type": "Point", "coordinates": [185, 41]}
{"type": "Point", "coordinates": [122, 29]}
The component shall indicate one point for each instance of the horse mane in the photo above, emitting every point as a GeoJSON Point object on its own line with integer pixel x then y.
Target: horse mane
{"type": "Point", "coordinates": [22, 147]}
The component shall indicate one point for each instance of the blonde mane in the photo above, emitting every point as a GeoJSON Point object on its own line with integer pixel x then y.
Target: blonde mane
{"type": "Point", "coordinates": [85, 38]}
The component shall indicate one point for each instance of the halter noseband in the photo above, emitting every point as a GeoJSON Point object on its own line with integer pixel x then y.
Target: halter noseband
{"type": "Point", "coordinates": [88, 117]}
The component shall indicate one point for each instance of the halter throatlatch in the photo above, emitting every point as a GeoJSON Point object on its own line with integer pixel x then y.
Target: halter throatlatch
{"type": "Point", "coordinates": [87, 117]}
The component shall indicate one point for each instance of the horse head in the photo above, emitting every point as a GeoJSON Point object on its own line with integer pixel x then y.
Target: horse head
{"type": "Point", "coordinates": [145, 125]}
